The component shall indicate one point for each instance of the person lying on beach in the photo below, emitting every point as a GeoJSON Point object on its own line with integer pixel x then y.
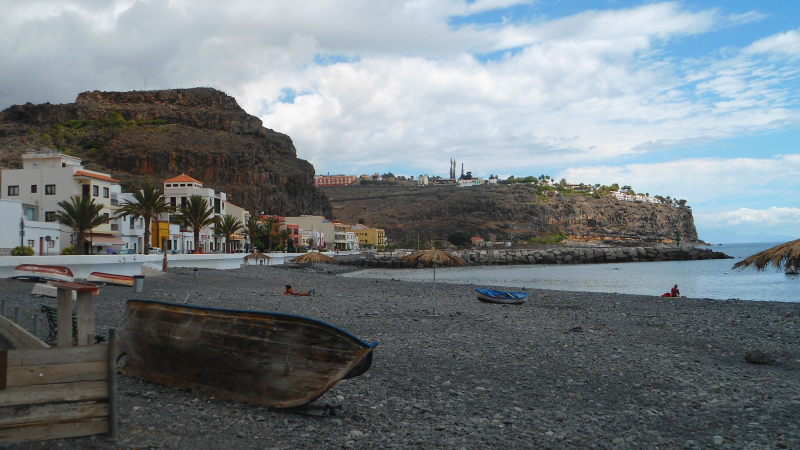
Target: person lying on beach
{"type": "Point", "coordinates": [290, 291]}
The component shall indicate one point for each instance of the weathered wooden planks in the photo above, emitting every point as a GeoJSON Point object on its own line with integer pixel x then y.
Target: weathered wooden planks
{"type": "Point", "coordinates": [67, 355]}
{"type": "Point", "coordinates": [18, 336]}
{"type": "Point", "coordinates": [56, 392]}
{"type": "Point", "coordinates": [268, 359]}
{"type": "Point", "coordinates": [58, 373]}
{"type": "Point", "coordinates": [51, 412]}
{"type": "Point", "coordinates": [54, 430]}
{"type": "Point", "coordinates": [53, 393]}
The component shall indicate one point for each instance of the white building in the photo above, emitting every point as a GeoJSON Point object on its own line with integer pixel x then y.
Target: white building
{"type": "Point", "coordinates": [20, 228]}
{"type": "Point", "coordinates": [177, 191]}
{"type": "Point", "coordinates": [315, 223]}
{"type": "Point", "coordinates": [473, 182]}
{"type": "Point", "coordinates": [352, 240]}
{"type": "Point", "coordinates": [131, 230]}
{"type": "Point", "coordinates": [422, 180]}
{"type": "Point", "coordinates": [48, 177]}
{"type": "Point", "coordinates": [307, 235]}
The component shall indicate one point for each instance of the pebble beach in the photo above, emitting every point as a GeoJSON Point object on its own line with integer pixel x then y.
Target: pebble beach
{"type": "Point", "coordinates": [565, 370]}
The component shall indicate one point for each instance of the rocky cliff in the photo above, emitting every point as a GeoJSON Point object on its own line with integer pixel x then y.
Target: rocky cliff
{"type": "Point", "coordinates": [201, 132]}
{"type": "Point", "coordinates": [504, 212]}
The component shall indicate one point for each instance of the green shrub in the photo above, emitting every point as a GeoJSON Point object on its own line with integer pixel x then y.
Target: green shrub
{"type": "Point", "coordinates": [553, 238]}
{"type": "Point", "coordinates": [22, 250]}
{"type": "Point", "coordinates": [115, 120]}
{"type": "Point", "coordinates": [71, 250]}
{"type": "Point", "coordinates": [459, 238]}
{"type": "Point", "coordinates": [77, 124]}
{"type": "Point", "coordinates": [300, 250]}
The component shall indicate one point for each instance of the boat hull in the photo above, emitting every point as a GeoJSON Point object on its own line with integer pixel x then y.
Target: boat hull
{"type": "Point", "coordinates": [501, 297]}
{"type": "Point", "coordinates": [40, 272]}
{"type": "Point", "coordinates": [267, 359]}
{"type": "Point", "coordinates": [110, 278]}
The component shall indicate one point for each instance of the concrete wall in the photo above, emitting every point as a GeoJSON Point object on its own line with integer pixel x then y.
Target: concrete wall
{"type": "Point", "coordinates": [81, 266]}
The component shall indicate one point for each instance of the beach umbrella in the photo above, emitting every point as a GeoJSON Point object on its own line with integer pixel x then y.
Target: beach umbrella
{"type": "Point", "coordinates": [785, 256]}
{"type": "Point", "coordinates": [256, 256]}
{"type": "Point", "coordinates": [315, 257]}
{"type": "Point", "coordinates": [434, 257]}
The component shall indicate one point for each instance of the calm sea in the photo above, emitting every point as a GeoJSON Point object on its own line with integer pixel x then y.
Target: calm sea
{"type": "Point", "coordinates": [697, 279]}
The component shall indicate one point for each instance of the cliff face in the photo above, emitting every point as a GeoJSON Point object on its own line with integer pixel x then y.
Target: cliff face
{"type": "Point", "coordinates": [159, 134]}
{"type": "Point", "coordinates": [504, 212]}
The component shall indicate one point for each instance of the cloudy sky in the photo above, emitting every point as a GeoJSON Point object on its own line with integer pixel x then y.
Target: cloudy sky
{"type": "Point", "coordinates": [695, 99]}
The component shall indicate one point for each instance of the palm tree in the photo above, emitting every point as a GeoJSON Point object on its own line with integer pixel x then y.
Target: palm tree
{"type": "Point", "coordinates": [82, 216]}
{"type": "Point", "coordinates": [228, 226]}
{"type": "Point", "coordinates": [253, 230]}
{"type": "Point", "coordinates": [270, 224]}
{"type": "Point", "coordinates": [196, 214]}
{"type": "Point", "coordinates": [283, 238]}
{"type": "Point", "coordinates": [148, 203]}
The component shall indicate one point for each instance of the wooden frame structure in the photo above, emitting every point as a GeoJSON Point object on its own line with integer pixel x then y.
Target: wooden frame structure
{"type": "Point", "coordinates": [61, 392]}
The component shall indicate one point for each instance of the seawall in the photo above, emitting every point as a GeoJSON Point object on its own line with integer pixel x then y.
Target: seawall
{"type": "Point", "coordinates": [559, 255]}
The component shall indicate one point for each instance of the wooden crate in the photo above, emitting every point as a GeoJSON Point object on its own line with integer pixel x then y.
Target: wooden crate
{"type": "Point", "coordinates": [62, 392]}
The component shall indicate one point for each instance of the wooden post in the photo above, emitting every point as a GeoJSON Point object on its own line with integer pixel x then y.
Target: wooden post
{"type": "Point", "coordinates": [85, 313]}
{"type": "Point", "coordinates": [64, 318]}
{"type": "Point", "coordinates": [113, 420]}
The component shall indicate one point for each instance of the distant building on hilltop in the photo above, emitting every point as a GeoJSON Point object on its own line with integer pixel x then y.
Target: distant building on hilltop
{"type": "Point", "coordinates": [334, 180]}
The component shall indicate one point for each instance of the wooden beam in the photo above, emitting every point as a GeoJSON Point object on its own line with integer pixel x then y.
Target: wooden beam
{"type": "Point", "coordinates": [18, 336]}
{"type": "Point", "coordinates": [56, 373]}
{"type": "Point", "coordinates": [53, 393]}
{"type": "Point", "coordinates": [85, 317]}
{"type": "Point", "coordinates": [40, 432]}
{"type": "Point", "coordinates": [50, 412]}
{"type": "Point", "coordinates": [111, 367]}
{"type": "Point", "coordinates": [59, 355]}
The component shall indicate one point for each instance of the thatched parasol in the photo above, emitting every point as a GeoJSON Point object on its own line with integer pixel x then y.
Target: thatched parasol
{"type": "Point", "coordinates": [315, 257]}
{"type": "Point", "coordinates": [258, 256]}
{"type": "Point", "coordinates": [434, 257]}
{"type": "Point", "coordinates": [785, 256]}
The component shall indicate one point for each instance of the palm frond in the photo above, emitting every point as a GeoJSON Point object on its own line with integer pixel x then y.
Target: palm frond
{"type": "Point", "coordinates": [786, 255]}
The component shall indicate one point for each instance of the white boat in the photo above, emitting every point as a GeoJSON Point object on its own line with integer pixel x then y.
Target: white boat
{"type": "Point", "coordinates": [39, 272]}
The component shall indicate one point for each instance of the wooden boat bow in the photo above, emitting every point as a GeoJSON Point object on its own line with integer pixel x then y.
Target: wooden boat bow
{"type": "Point", "coordinates": [269, 359]}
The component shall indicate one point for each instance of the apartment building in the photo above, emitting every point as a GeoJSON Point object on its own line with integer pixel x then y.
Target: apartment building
{"type": "Point", "coordinates": [177, 191]}
{"type": "Point", "coordinates": [369, 237]}
{"type": "Point", "coordinates": [49, 176]}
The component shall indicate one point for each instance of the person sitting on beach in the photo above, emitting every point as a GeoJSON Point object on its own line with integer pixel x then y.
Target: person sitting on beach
{"type": "Point", "coordinates": [675, 292]}
{"type": "Point", "coordinates": [290, 291]}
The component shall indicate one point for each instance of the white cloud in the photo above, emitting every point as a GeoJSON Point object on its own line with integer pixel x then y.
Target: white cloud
{"type": "Point", "coordinates": [410, 91]}
{"type": "Point", "coordinates": [771, 217]}
{"type": "Point", "coordinates": [701, 180]}
{"type": "Point", "coordinates": [787, 43]}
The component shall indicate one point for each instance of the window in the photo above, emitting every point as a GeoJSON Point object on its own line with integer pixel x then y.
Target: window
{"type": "Point", "coordinates": [95, 191]}
{"type": "Point", "coordinates": [30, 243]}
{"type": "Point", "coordinates": [172, 202]}
{"type": "Point", "coordinates": [50, 216]}
{"type": "Point", "coordinates": [34, 188]}
{"type": "Point", "coordinates": [114, 227]}
{"type": "Point", "coordinates": [31, 213]}
{"type": "Point", "coordinates": [133, 223]}
{"type": "Point", "coordinates": [50, 189]}
{"type": "Point", "coordinates": [13, 190]}
{"type": "Point", "coordinates": [105, 192]}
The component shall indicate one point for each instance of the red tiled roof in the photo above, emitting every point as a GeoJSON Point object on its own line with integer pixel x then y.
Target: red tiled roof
{"type": "Point", "coordinates": [183, 178]}
{"type": "Point", "coordinates": [81, 173]}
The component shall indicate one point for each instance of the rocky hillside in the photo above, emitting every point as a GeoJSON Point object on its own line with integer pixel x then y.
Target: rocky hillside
{"type": "Point", "coordinates": [159, 134]}
{"type": "Point", "coordinates": [503, 212]}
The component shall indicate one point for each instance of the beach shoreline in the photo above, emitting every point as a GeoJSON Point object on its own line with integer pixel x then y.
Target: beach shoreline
{"type": "Point", "coordinates": [564, 370]}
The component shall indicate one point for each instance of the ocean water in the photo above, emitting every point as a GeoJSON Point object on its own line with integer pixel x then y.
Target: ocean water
{"type": "Point", "coordinates": [696, 279]}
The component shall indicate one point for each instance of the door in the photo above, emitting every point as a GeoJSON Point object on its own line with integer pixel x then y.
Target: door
{"type": "Point", "coordinates": [86, 191]}
{"type": "Point", "coordinates": [41, 246]}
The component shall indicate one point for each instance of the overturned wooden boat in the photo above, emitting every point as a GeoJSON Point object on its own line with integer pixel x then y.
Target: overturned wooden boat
{"type": "Point", "coordinates": [263, 358]}
{"type": "Point", "coordinates": [504, 297]}
{"type": "Point", "coordinates": [110, 278]}
{"type": "Point", "coordinates": [40, 272]}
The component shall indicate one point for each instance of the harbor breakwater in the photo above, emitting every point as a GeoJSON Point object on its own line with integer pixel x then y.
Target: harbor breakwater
{"type": "Point", "coordinates": [559, 255]}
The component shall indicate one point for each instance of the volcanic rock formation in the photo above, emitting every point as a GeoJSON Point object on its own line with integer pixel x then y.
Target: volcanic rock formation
{"type": "Point", "coordinates": [201, 132]}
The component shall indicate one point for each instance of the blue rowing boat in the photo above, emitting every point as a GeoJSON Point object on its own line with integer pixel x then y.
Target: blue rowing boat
{"type": "Point", "coordinates": [503, 297]}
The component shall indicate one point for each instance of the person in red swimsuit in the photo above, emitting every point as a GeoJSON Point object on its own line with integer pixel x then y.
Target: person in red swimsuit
{"type": "Point", "coordinates": [290, 291]}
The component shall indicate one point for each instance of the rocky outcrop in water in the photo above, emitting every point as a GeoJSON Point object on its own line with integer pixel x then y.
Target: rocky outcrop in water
{"type": "Point", "coordinates": [202, 132]}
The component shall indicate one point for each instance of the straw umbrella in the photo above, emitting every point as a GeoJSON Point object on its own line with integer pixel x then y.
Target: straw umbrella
{"type": "Point", "coordinates": [258, 256]}
{"type": "Point", "coordinates": [315, 257]}
{"type": "Point", "coordinates": [785, 256]}
{"type": "Point", "coordinates": [434, 257]}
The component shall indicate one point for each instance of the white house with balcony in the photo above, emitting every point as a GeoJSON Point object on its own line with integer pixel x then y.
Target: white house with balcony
{"type": "Point", "coordinates": [21, 227]}
{"type": "Point", "coordinates": [48, 177]}
{"type": "Point", "coordinates": [177, 191]}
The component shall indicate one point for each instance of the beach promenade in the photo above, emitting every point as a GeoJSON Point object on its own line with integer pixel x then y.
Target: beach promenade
{"type": "Point", "coordinates": [566, 370]}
